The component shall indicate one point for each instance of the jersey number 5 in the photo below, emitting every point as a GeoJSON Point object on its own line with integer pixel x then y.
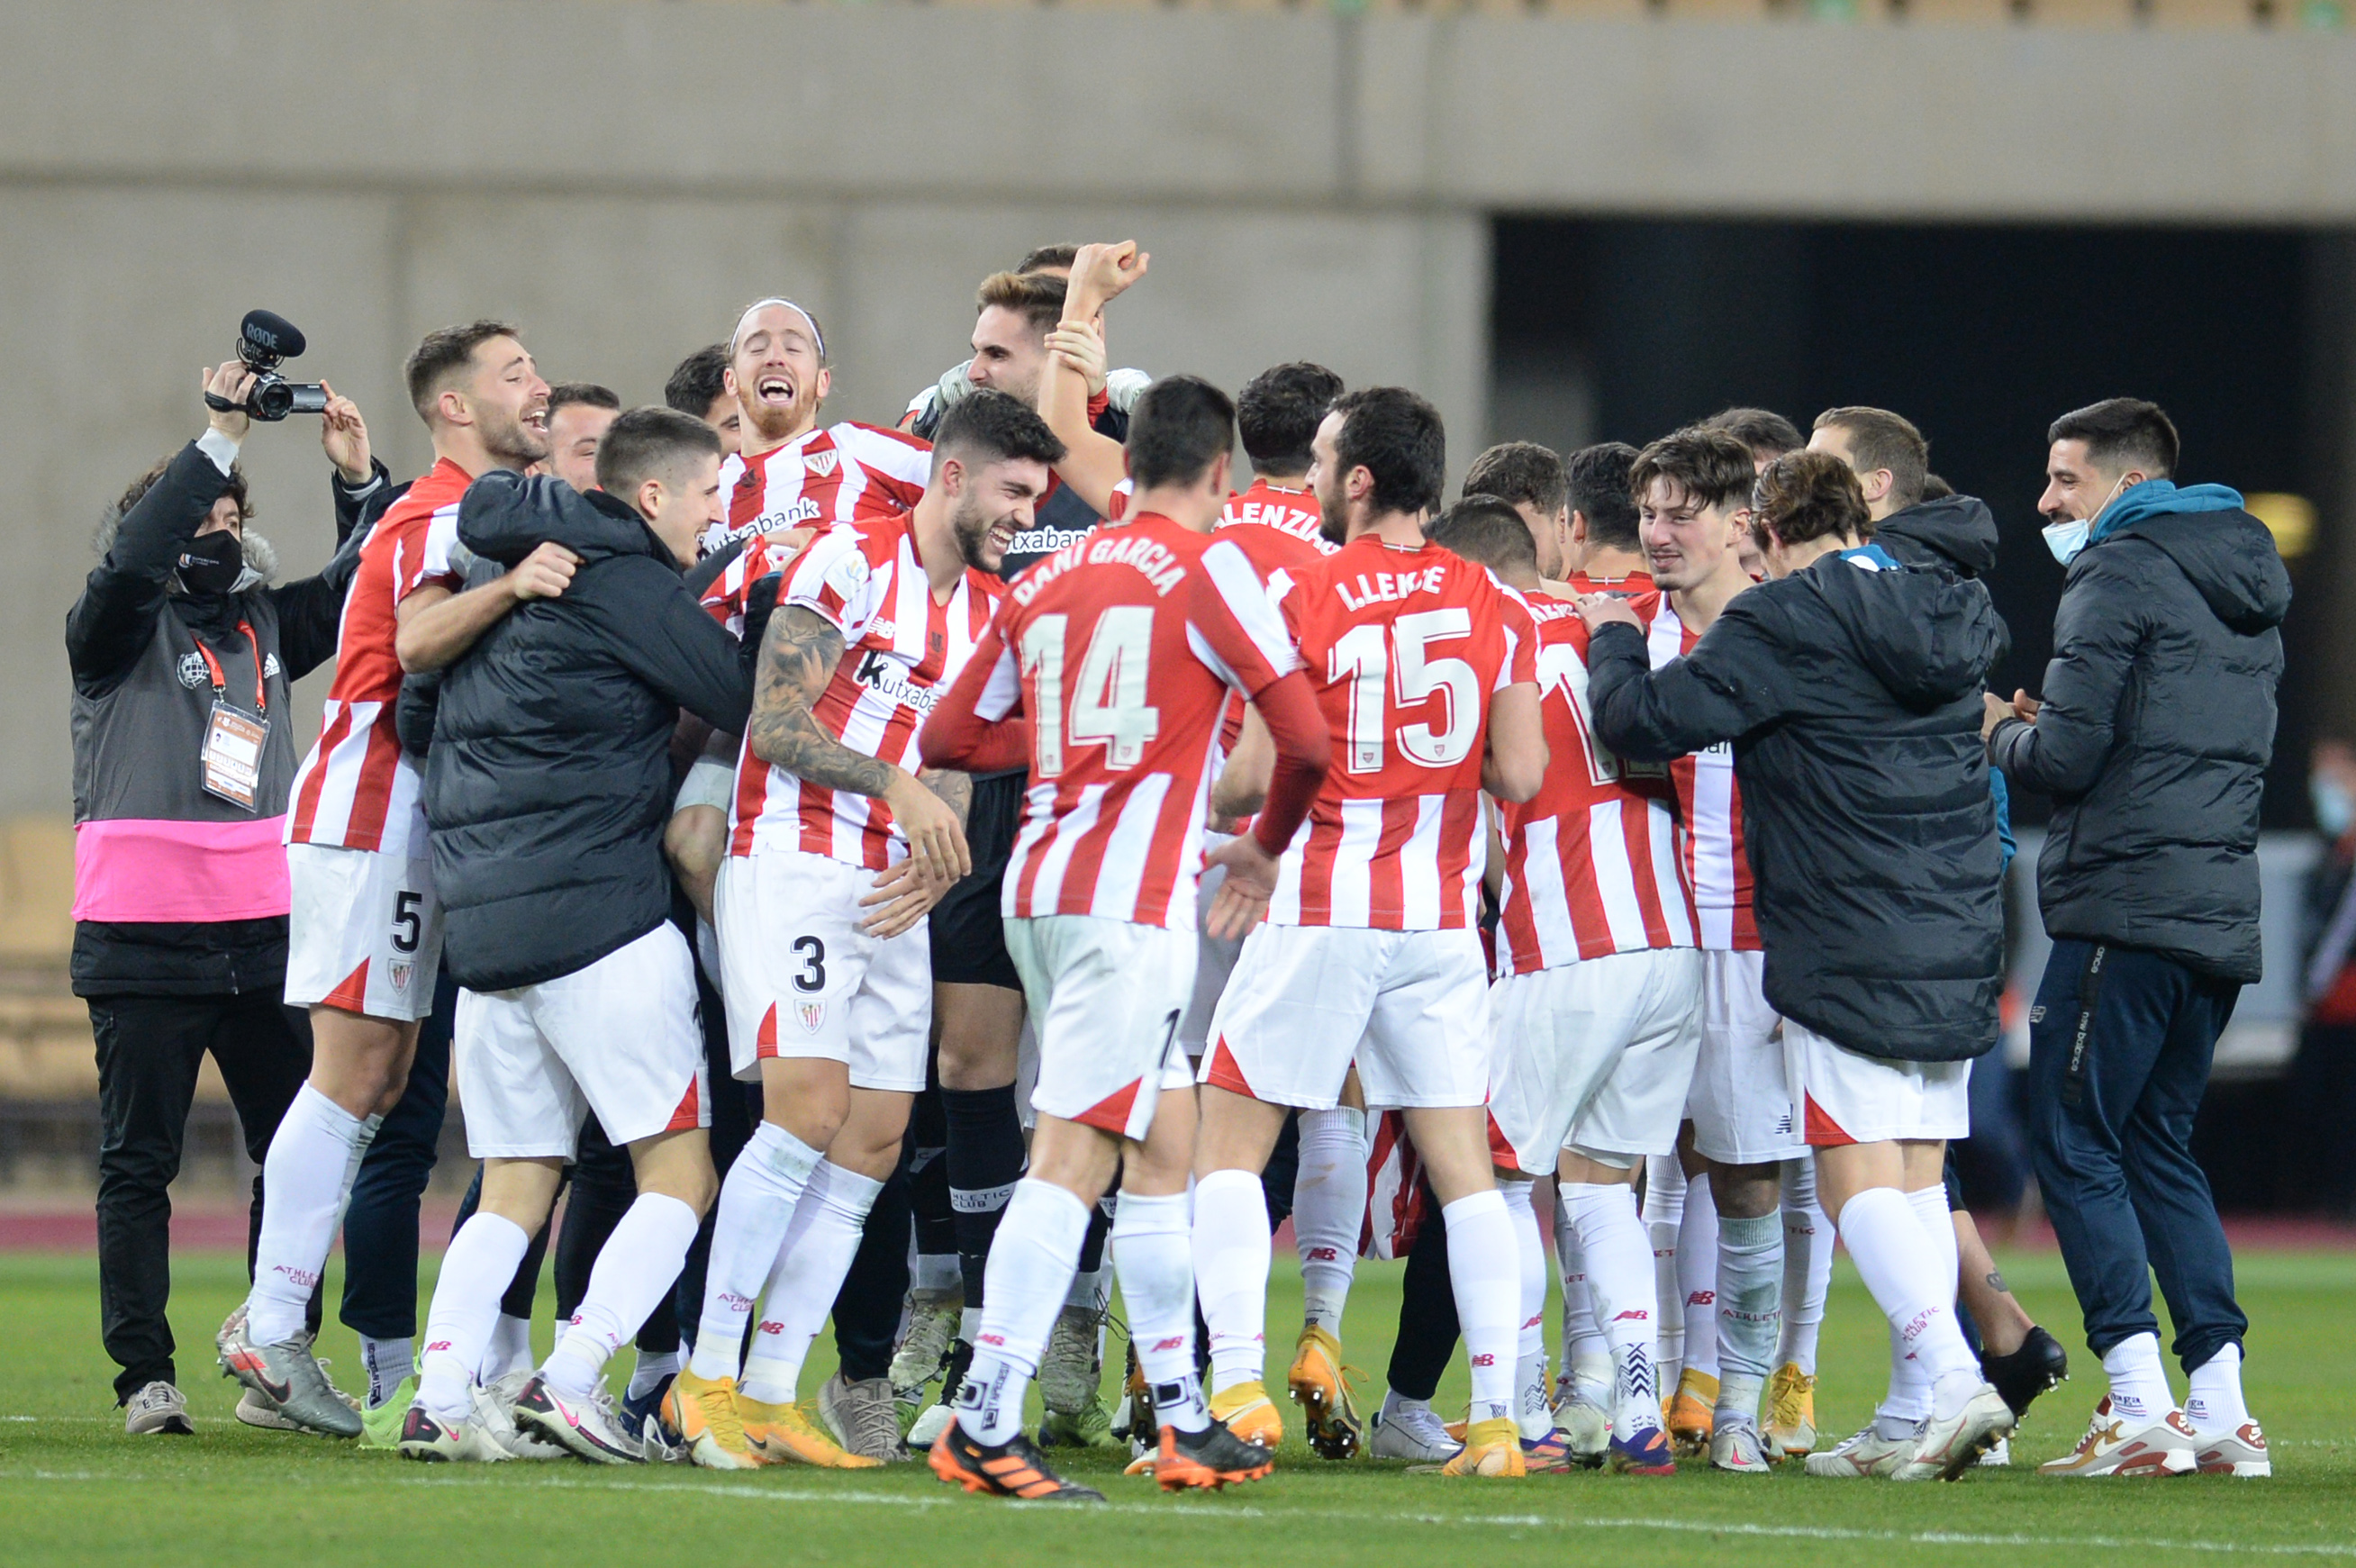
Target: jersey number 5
{"type": "Point", "coordinates": [1109, 706]}
{"type": "Point", "coordinates": [1381, 661]}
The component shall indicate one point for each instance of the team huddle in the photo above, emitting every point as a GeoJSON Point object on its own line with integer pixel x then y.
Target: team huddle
{"type": "Point", "coordinates": [1093, 859]}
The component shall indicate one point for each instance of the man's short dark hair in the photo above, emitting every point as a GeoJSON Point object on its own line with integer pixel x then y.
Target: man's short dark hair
{"type": "Point", "coordinates": [651, 443]}
{"type": "Point", "coordinates": [698, 380]}
{"type": "Point", "coordinates": [1595, 481]}
{"type": "Point", "coordinates": [1811, 495]}
{"type": "Point", "coordinates": [1277, 414]}
{"type": "Point", "coordinates": [1398, 437]}
{"type": "Point", "coordinates": [585, 394]}
{"type": "Point", "coordinates": [1936, 488]}
{"type": "Point", "coordinates": [446, 353]}
{"type": "Point", "coordinates": [1520, 473]}
{"type": "Point", "coordinates": [1177, 430]}
{"type": "Point", "coordinates": [993, 427]}
{"type": "Point", "coordinates": [1765, 432]}
{"type": "Point", "coordinates": [1878, 439]}
{"type": "Point", "coordinates": [1049, 256]}
{"type": "Point", "coordinates": [1711, 467]}
{"type": "Point", "coordinates": [1486, 529]}
{"type": "Point", "coordinates": [2122, 433]}
{"type": "Point", "coordinates": [1037, 297]}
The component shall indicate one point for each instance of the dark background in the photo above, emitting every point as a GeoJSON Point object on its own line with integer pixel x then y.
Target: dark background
{"type": "Point", "coordinates": [1981, 334]}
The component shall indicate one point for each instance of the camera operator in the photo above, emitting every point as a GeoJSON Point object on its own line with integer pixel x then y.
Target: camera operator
{"type": "Point", "coordinates": [182, 654]}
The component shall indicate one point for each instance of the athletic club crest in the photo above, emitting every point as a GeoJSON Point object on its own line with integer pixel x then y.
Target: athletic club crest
{"type": "Point", "coordinates": [818, 465]}
{"type": "Point", "coordinates": [812, 1013]}
{"type": "Point", "coordinates": [401, 969]}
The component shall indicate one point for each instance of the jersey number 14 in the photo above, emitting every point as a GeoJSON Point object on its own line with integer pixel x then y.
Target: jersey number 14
{"type": "Point", "coordinates": [1109, 706]}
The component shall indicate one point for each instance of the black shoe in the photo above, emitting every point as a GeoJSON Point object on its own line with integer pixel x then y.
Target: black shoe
{"type": "Point", "coordinates": [2037, 1366]}
{"type": "Point", "coordinates": [961, 1362]}
{"type": "Point", "coordinates": [1014, 1469]}
{"type": "Point", "coordinates": [1210, 1458]}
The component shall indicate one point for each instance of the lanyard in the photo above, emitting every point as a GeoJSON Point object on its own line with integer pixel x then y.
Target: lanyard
{"type": "Point", "coordinates": [220, 682]}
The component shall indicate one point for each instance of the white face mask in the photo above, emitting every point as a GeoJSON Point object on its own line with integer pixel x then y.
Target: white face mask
{"type": "Point", "coordinates": [2067, 538]}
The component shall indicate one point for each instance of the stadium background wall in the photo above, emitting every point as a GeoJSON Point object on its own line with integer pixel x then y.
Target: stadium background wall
{"type": "Point", "coordinates": [619, 175]}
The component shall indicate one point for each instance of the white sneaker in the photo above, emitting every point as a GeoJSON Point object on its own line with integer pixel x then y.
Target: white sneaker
{"type": "Point", "coordinates": [1405, 1430]}
{"type": "Point", "coordinates": [1735, 1444]}
{"type": "Point", "coordinates": [495, 1407]}
{"type": "Point", "coordinates": [1866, 1453]}
{"type": "Point", "coordinates": [160, 1408]}
{"type": "Point", "coordinates": [1583, 1414]}
{"type": "Point", "coordinates": [1952, 1444]}
{"type": "Point", "coordinates": [2113, 1447]}
{"type": "Point", "coordinates": [2237, 1453]}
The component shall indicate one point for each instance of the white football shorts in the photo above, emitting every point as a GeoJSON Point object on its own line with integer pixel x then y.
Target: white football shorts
{"type": "Point", "coordinates": [1848, 1097]}
{"type": "Point", "coordinates": [1596, 1055]}
{"type": "Point", "coordinates": [364, 928]}
{"type": "Point", "coordinates": [800, 979]}
{"type": "Point", "coordinates": [619, 1038]}
{"type": "Point", "coordinates": [1104, 997]}
{"type": "Point", "coordinates": [1411, 1007]}
{"type": "Point", "coordinates": [1742, 1105]}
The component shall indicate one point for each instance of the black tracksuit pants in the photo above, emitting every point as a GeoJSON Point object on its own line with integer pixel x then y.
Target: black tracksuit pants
{"type": "Point", "coordinates": [149, 1049]}
{"type": "Point", "coordinates": [2120, 1042]}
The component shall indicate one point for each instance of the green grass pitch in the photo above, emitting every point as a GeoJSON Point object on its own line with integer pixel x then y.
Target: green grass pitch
{"type": "Point", "coordinates": [74, 1489]}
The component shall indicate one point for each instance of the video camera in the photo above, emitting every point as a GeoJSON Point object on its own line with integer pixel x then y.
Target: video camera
{"type": "Point", "coordinates": [263, 340]}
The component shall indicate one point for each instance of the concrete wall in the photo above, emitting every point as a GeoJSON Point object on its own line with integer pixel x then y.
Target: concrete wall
{"type": "Point", "coordinates": [618, 176]}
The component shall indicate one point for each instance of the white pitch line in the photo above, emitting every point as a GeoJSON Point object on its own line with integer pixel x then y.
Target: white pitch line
{"type": "Point", "coordinates": [1505, 1521]}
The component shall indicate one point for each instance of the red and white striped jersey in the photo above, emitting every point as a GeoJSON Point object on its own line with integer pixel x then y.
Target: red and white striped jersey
{"type": "Point", "coordinates": [1591, 861]}
{"type": "Point", "coordinates": [1120, 649]}
{"type": "Point", "coordinates": [724, 598]}
{"type": "Point", "coordinates": [354, 782]}
{"type": "Point", "coordinates": [1406, 648]}
{"type": "Point", "coordinates": [1292, 514]}
{"type": "Point", "coordinates": [900, 644]}
{"type": "Point", "coordinates": [1716, 862]}
{"type": "Point", "coordinates": [840, 473]}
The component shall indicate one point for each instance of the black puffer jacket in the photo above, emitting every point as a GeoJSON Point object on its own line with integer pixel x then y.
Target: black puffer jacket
{"type": "Point", "coordinates": [2157, 726]}
{"type": "Point", "coordinates": [549, 780]}
{"type": "Point", "coordinates": [1853, 701]}
{"type": "Point", "coordinates": [1958, 532]}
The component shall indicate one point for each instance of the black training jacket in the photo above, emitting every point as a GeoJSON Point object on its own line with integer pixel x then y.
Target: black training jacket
{"type": "Point", "coordinates": [549, 780]}
{"type": "Point", "coordinates": [2157, 726]}
{"type": "Point", "coordinates": [1852, 700]}
{"type": "Point", "coordinates": [1958, 532]}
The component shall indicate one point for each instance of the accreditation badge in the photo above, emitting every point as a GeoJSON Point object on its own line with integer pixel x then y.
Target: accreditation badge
{"type": "Point", "coordinates": [233, 755]}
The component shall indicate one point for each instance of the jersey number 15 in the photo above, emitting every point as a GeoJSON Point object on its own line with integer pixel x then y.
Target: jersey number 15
{"type": "Point", "coordinates": [1383, 663]}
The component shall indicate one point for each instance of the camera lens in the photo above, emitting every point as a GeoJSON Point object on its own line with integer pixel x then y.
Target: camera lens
{"type": "Point", "coordinates": [270, 399]}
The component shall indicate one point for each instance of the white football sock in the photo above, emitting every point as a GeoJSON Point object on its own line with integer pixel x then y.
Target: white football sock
{"type": "Point", "coordinates": [1483, 1268]}
{"type": "Point", "coordinates": [1231, 1258]}
{"type": "Point", "coordinates": [1584, 1350]}
{"type": "Point", "coordinates": [1329, 1209]}
{"type": "Point", "coordinates": [478, 1266]}
{"type": "Point", "coordinates": [636, 1268]}
{"type": "Point", "coordinates": [1698, 1276]}
{"type": "Point", "coordinates": [1030, 1263]}
{"type": "Point", "coordinates": [386, 1361]}
{"type": "Point", "coordinates": [653, 1367]}
{"type": "Point", "coordinates": [508, 1351]}
{"type": "Point", "coordinates": [306, 1177]}
{"type": "Point", "coordinates": [1907, 1405]}
{"type": "Point", "coordinates": [1930, 1206]}
{"type": "Point", "coordinates": [1893, 1253]}
{"type": "Point", "coordinates": [1620, 1276]}
{"type": "Point", "coordinates": [758, 1201]}
{"type": "Point", "coordinates": [2139, 1391]}
{"type": "Point", "coordinates": [1532, 1411]}
{"type": "Point", "coordinates": [2215, 1407]}
{"type": "Point", "coordinates": [806, 1276]}
{"type": "Point", "coordinates": [1749, 1290]}
{"type": "Point", "coordinates": [1153, 1251]}
{"type": "Point", "coordinates": [1664, 1208]}
{"type": "Point", "coordinates": [1807, 1265]}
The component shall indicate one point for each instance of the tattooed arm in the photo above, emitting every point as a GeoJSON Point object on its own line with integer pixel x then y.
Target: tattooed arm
{"type": "Point", "coordinates": [799, 652]}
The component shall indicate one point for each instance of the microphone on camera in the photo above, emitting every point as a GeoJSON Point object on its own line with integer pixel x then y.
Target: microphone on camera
{"type": "Point", "coordinates": [271, 334]}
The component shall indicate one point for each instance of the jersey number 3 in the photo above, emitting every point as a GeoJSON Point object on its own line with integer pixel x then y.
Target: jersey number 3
{"type": "Point", "coordinates": [1109, 706]}
{"type": "Point", "coordinates": [1374, 657]}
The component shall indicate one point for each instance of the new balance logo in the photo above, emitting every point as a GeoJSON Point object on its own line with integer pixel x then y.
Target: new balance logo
{"type": "Point", "coordinates": [997, 1339]}
{"type": "Point", "coordinates": [437, 1345]}
{"type": "Point", "coordinates": [1702, 1298]}
{"type": "Point", "coordinates": [1323, 1254]}
{"type": "Point", "coordinates": [771, 1325]}
{"type": "Point", "coordinates": [1484, 1360]}
{"type": "Point", "coordinates": [1634, 1315]}
{"type": "Point", "coordinates": [1175, 1342]}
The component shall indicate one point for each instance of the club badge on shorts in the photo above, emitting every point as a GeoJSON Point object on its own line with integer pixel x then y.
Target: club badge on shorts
{"type": "Point", "coordinates": [812, 1014]}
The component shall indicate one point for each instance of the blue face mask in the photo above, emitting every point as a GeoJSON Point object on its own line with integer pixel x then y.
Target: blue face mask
{"type": "Point", "coordinates": [2067, 538]}
{"type": "Point", "coordinates": [2334, 810]}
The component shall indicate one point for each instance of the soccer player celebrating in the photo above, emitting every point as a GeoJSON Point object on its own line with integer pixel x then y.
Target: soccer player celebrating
{"type": "Point", "coordinates": [1426, 670]}
{"type": "Point", "coordinates": [1850, 688]}
{"type": "Point", "coordinates": [1693, 495]}
{"type": "Point", "coordinates": [1119, 651]}
{"type": "Point", "coordinates": [826, 968]}
{"type": "Point", "coordinates": [1596, 1015]}
{"type": "Point", "coordinates": [547, 788]}
{"type": "Point", "coordinates": [365, 933]}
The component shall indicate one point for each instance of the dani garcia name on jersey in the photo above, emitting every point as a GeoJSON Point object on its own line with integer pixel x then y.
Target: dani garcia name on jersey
{"type": "Point", "coordinates": [1150, 557]}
